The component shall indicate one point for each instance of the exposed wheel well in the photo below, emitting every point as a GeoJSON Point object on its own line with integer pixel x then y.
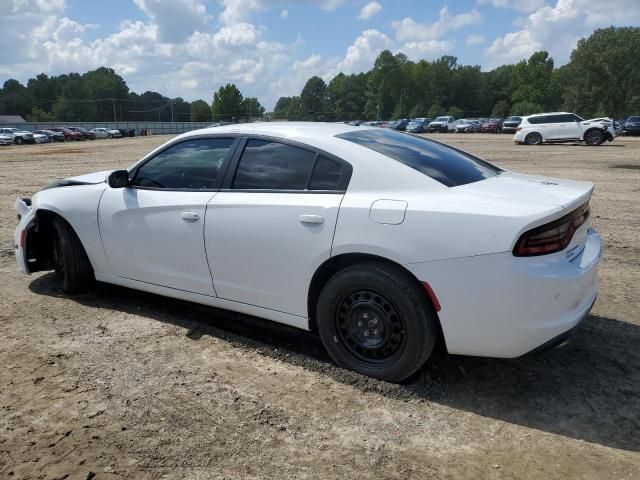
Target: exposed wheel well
{"type": "Point", "coordinates": [592, 129]}
{"type": "Point", "coordinates": [40, 241]}
{"type": "Point", "coordinates": [339, 262]}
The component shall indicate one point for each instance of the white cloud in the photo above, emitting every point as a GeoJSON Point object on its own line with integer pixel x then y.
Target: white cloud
{"type": "Point", "coordinates": [361, 55]}
{"type": "Point", "coordinates": [176, 19]}
{"type": "Point", "coordinates": [408, 30]}
{"type": "Point", "coordinates": [558, 28]}
{"type": "Point", "coordinates": [369, 10]}
{"type": "Point", "coordinates": [284, 13]}
{"type": "Point", "coordinates": [475, 39]}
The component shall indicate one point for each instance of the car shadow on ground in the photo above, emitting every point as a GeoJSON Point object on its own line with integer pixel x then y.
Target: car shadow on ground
{"type": "Point", "coordinates": [588, 389]}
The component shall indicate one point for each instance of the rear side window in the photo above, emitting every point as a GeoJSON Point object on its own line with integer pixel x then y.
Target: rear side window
{"type": "Point", "coordinates": [537, 120]}
{"type": "Point", "coordinates": [326, 175]}
{"type": "Point", "coordinates": [435, 160]}
{"type": "Point", "coordinates": [194, 165]}
{"type": "Point", "coordinates": [269, 165]}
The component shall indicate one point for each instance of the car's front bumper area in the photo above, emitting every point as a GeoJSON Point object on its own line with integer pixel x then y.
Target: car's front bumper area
{"type": "Point", "coordinates": [504, 306]}
{"type": "Point", "coordinates": [26, 217]}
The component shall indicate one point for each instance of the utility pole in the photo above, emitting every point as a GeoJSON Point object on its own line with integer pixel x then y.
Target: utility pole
{"type": "Point", "coordinates": [171, 109]}
{"type": "Point", "coordinates": [113, 103]}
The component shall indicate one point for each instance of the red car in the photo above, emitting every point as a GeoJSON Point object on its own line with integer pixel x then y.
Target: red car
{"type": "Point", "coordinates": [68, 133]}
{"type": "Point", "coordinates": [493, 125]}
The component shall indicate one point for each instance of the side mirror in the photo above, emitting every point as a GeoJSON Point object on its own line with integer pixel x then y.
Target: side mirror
{"type": "Point", "coordinates": [118, 179]}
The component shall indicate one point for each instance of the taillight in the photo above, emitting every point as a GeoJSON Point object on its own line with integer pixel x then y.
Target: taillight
{"type": "Point", "coordinates": [552, 237]}
{"type": "Point", "coordinates": [518, 129]}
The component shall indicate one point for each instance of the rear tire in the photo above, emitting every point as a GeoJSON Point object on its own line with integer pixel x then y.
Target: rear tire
{"type": "Point", "coordinates": [593, 137]}
{"type": "Point", "coordinates": [19, 141]}
{"type": "Point", "coordinates": [534, 138]}
{"type": "Point", "coordinates": [70, 260]}
{"type": "Point", "coordinates": [375, 319]}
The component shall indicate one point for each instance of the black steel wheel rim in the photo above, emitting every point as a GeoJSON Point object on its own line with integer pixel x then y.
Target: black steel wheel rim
{"type": "Point", "coordinates": [369, 326]}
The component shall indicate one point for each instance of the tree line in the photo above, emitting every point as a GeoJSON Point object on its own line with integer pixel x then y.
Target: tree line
{"type": "Point", "coordinates": [602, 78]}
{"type": "Point", "coordinates": [102, 95]}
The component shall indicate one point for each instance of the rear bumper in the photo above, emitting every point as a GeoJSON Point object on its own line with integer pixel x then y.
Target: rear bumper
{"type": "Point", "coordinates": [504, 306]}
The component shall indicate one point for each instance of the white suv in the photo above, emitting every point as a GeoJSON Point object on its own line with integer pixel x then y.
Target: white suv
{"type": "Point", "coordinates": [562, 127]}
{"type": "Point", "coordinates": [443, 125]}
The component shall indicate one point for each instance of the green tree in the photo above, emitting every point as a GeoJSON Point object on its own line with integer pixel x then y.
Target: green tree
{"type": "Point", "coordinates": [604, 77]}
{"type": "Point", "coordinates": [526, 108]}
{"type": "Point", "coordinates": [200, 111]}
{"type": "Point", "coordinates": [252, 108]}
{"type": "Point", "coordinates": [313, 98]}
{"type": "Point", "coordinates": [39, 115]}
{"type": "Point", "coordinates": [436, 110]}
{"type": "Point", "coordinates": [532, 81]}
{"type": "Point", "coordinates": [107, 89]}
{"type": "Point", "coordinates": [500, 109]}
{"type": "Point", "coordinates": [455, 112]}
{"type": "Point", "coordinates": [227, 104]}
{"type": "Point", "coordinates": [14, 99]}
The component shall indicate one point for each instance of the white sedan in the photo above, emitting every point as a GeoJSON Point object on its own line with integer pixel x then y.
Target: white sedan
{"type": "Point", "coordinates": [384, 243]}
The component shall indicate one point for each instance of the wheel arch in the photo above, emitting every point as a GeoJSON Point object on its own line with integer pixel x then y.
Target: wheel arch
{"type": "Point", "coordinates": [591, 129]}
{"type": "Point", "coordinates": [339, 262]}
{"type": "Point", "coordinates": [40, 238]}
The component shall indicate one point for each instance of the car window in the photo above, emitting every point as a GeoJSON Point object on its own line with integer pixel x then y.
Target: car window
{"type": "Point", "coordinates": [193, 164]}
{"type": "Point", "coordinates": [566, 118]}
{"type": "Point", "coordinates": [267, 165]}
{"type": "Point", "coordinates": [537, 120]}
{"type": "Point", "coordinates": [633, 119]}
{"type": "Point", "coordinates": [326, 174]}
{"type": "Point", "coordinates": [447, 165]}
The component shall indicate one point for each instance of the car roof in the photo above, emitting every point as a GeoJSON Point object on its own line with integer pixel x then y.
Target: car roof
{"type": "Point", "coordinates": [280, 129]}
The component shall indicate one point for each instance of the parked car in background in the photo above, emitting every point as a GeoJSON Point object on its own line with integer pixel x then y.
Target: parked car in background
{"type": "Point", "coordinates": [559, 127]}
{"type": "Point", "coordinates": [631, 126]}
{"type": "Point", "coordinates": [510, 124]}
{"type": "Point", "coordinates": [418, 125]}
{"type": "Point", "coordinates": [443, 124]}
{"type": "Point", "coordinates": [69, 135]}
{"type": "Point", "coordinates": [493, 125]}
{"type": "Point", "coordinates": [386, 244]}
{"type": "Point", "coordinates": [464, 125]}
{"type": "Point", "coordinates": [86, 134]}
{"type": "Point", "coordinates": [101, 132]}
{"type": "Point", "coordinates": [115, 133]}
{"type": "Point", "coordinates": [18, 136]}
{"type": "Point", "coordinates": [5, 139]}
{"type": "Point", "coordinates": [53, 136]}
{"type": "Point", "coordinates": [400, 124]}
{"type": "Point", "coordinates": [40, 138]}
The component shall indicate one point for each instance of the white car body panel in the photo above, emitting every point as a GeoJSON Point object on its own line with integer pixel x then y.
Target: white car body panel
{"type": "Point", "coordinates": [562, 131]}
{"type": "Point", "coordinates": [257, 252]}
{"type": "Point", "coordinates": [156, 237]}
{"type": "Point", "coordinates": [263, 248]}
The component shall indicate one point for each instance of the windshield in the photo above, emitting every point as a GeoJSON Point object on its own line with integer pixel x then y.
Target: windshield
{"type": "Point", "coordinates": [442, 119]}
{"type": "Point", "coordinates": [444, 164]}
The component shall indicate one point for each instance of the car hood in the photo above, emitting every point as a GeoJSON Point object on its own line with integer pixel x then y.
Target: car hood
{"type": "Point", "coordinates": [87, 179]}
{"type": "Point", "coordinates": [532, 189]}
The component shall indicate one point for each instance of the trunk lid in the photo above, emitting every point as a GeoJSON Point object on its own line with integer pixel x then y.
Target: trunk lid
{"type": "Point", "coordinates": [567, 194]}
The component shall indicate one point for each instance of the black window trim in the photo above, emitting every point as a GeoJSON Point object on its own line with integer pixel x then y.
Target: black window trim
{"type": "Point", "coordinates": [223, 169]}
{"type": "Point", "coordinates": [343, 183]}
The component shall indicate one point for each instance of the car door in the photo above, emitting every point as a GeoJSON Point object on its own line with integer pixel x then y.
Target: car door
{"type": "Point", "coordinates": [565, 127]}
{"type": "Point", "coordinates": [272, 226]}
{"type": "Point", "coordinates": [153, 230]}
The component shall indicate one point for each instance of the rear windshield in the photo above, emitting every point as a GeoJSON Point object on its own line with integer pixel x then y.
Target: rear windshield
{"type": "Point", "coordinates": [445, 164]}
{"type": "Point", "coordinates": [633, 119]}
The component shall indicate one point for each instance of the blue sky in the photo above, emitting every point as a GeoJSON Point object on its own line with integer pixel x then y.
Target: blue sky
{"type": "Point", "coordinates": [269, 48]}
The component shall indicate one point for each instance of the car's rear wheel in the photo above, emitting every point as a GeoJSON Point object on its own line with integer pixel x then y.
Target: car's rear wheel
{"type": "Point", "coordinates": [593, 137]}
{"type": "Point", "coordinates": [534, 138]}
{"type": "Point", "coordinates": [70, 260]}
{"type": "Point", "coordinates": [19, 141]}
{"type": "Point", "coordinates": [375, 319]}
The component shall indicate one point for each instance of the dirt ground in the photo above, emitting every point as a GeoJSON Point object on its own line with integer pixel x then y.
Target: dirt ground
{"type": "Point", "coordinates": [122, 384]}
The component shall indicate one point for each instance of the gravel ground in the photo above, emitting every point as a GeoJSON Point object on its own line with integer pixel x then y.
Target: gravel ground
{"type": "Point", "coordinates": [118, 383]}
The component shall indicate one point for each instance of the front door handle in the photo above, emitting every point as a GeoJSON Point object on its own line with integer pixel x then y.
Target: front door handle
{"type": "Point", "coordinates": [190, 216]}
{"type": "Point", "coordinates": [313, 219]}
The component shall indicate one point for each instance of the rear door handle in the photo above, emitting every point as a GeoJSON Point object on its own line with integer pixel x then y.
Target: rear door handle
{"type": "Point", "coordinates": [190, 216]}
{"type": "Point", "coordinates": [312, 219]}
